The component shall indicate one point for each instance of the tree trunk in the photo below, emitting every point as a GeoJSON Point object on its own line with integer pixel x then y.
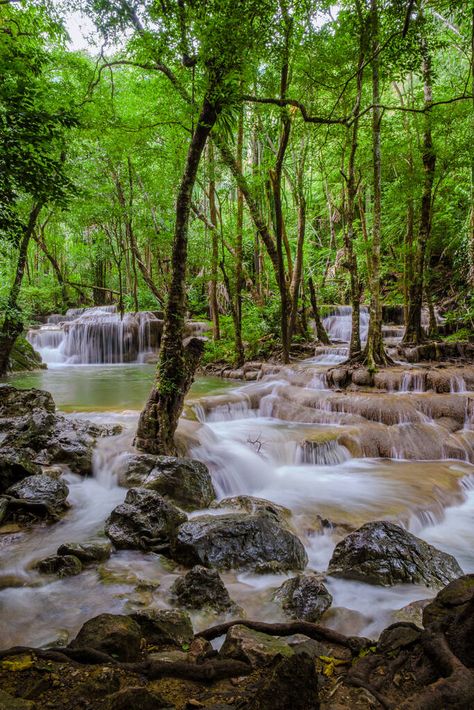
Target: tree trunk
{"type": "Point", "coordinates": [298, 265]}
{"type": "Point", "coordinates": [414, 332]}
{"type": "Point", "coordinates": [471, 217]}
{"type": "Point", "coordinates": [39, 238]}
{"type": "Point", "coordinates": [320, 329]}
{"type": "Point", "coordinates": [215, 244]}
{"type": "Point", "coordinates": [374, 353]}
{"type": "Point", "coordinates": [13, 324]}
{"type": "Point", "coordinates": [239, 348]}
{"type": "Point", "coordinates": [178, 361]}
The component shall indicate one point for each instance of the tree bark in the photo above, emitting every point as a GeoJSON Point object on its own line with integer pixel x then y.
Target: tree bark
{"type": "Point", "coordinates": [12, 325]}
{"type": "Point", "coordinates": [178, 361]}
{"type": "Point", "coordinates": [239, 348]}
{"type": "Point", "coordinates": [414, 332]}
{"type": "Point", "coordinates": [215, 244]}
{"type": "Point", "coordinates": [374, 353]}
{"type": "Point", "coordinates": [39, 237]}
{"type": "Point", "coordinates": [295, 285]}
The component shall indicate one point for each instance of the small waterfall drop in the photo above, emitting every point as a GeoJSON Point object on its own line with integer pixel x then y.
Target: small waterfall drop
{"type": "Point", "coordinates": [339, 324]}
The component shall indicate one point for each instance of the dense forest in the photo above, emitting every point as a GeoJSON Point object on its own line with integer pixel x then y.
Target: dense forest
{"type": "Point", "coordinates": [236, 354]}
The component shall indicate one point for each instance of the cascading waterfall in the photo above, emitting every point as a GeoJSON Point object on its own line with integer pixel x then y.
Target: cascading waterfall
{"type": "Point", "coordinates": [98, 335]}
{"type": "Point", "coordinates": [339, 324]}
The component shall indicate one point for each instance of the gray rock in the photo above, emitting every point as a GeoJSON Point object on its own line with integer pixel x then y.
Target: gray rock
{"type": "Point", "coordinates": [240, 540]}
{"type": "Point", "coordinates": [185, 481]}
{"type": "Point", "coordinates": [384, 553]}
{"type": "Point", "coordinates": [304, 597]}
{"type": "Point", "coordinates": [202, 588]}
{"type": "Point", "coordinates": [41, 490]}
{"type": "Point", "coordinates": [119, 636]}
{"type": "Point", "coordinates": [145, 521]}
{"type": "Point", "coordinates": [14, 467]}
{"type": "Point", "coordinates": [86, 552]}
{"type": "Point", "coordinates": [61, 565]}
{"type": "Point", "coordinates": [253, 647]}
{"type": "Point", "coordinates": [165, 627]}
{"type": "Point", "coordinates": [251, 504]}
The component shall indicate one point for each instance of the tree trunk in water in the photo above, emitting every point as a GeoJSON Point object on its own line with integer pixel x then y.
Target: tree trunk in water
{"type": "Point", "coordinates": [414, 332]}
{"type": "Point", "coordinates": [13, 324]}
{"type": "Point", "coordinates": [320, 329]}
{"type": "Point", "coordinates": [239, 348]}
{"type": "Point", "coordinates": [178, 361]}
{"type": "Point", "coordinates": [374, 353]}
{"type": "Point", "coordinates": [215, 245]}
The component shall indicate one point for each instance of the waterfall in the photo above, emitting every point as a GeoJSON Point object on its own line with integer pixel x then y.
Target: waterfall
{"type": "Point", "coordinates": [100, 335]}
{"type": "Point", "coordinates": [339, 324]}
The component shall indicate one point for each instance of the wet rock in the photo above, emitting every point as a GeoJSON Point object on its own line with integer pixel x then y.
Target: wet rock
{"type": "Point", "coordinates": [61, 565]}
{"type": "Point", "coordinates": [86, 552]}
{"type": "Point", "coordinates": [253, 647]}
{"type": "Point", "coordinates": [383, 553]}
{"type": "Point", "coordinates": [202, 588]}
{"type": "Point", "coordinates": [165, 627]}
{"type": "Point", "coordinates": [42, 491]}
{"type": "Point", "coordinates": [185, 481]}
{"type": "Point", "coordinates": [304, 597]}
{"type": "Point", "coordinates": [398, 636]}
{"type": "Point", "coordinates": [200, 650]}
{"type": "Point", "coordinates": [3, 509]}
{"type": "Point", "coordinates": [362, 377]}
{"type": "Point", "coordinates": [8, 702]}
{"type": "Point", "coordinates": [452, 611]}
{"type": "Point", "coordinates": [24, 357]}
{"type": "Point", "coordinates": [100, 682]}
{"type": "Point", "coordinates": [14, 467]}
{"type": "Point", "coordinates": [411, 613]}
{"type": "Point", "coordinates": [251, 504]}
{"type": "Point", "coordinates": [140, 698]}
{"type": "Point", "coordinates": [346, 621]}
{"type": "Point", "coordinates": [119, 636]}
{"type": "Point", "coordinates": [239, 540]}
{"type": "Point", "coordinates": [292, 683]}
{"type": "Point", "coordinates": [145, 521]}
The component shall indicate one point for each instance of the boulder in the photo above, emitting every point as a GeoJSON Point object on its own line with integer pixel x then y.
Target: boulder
{"type": "Point", "coordinates": [24, 357]}
{"type": "Point", "coordinates": [384, 553]}
{"type": "Point", "coordinates": [253, 647]}
{"type": "Point", "coordinates": [452, 611]}
{"type": "Point", "coordinates": [256, 542]}
{"type": "Point", "coordinates": [165, 627]}
{"type": "Point", "coordinates": [42, 491]}
{"type": "Point", "coordinates": [61, 565]}
{"type": "Point", "coordinates": [202, 588]}
{"type": "Point", "coordinates": [185, 481]}
{"type": "Point", "coordinates": [292, 683]}
{"type": "Point", "coordinates": [145, 521]}
{"type": "Point", "coordinates": [304, 597]}
{"type": "Point", "coordinates": [14, 467]}
{"type": "Point", "coordinates": [86, 552]}
{"type": "Point", "coordinates": [119, 636]}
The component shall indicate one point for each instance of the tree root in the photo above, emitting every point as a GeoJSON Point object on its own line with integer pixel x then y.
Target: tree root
{"type": "Point", "coordinates": [211, 670]}
{"type": "Point", "coordinates": [313, 631]}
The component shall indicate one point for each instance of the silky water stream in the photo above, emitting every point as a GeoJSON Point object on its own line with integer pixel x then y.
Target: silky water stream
{"type": "Point", "coordinates": [311, 467]}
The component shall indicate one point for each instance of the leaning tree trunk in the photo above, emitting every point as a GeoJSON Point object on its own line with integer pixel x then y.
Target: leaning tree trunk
{"type": "Point", "coordinates": [13, 323]}
{"type": "Point", "coordinates": [178, 360]}
{"type": "Point", "coordinates": [414, 332]}
{"type": "Point", "coordinates": [374, 353]}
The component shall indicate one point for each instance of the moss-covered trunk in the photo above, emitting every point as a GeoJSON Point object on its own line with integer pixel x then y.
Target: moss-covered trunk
{"type": "Point", "coordinates": [178, 360]}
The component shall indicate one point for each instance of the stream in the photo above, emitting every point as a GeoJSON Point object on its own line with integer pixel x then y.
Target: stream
{"type": "Point", "coordinates": [232, 428]}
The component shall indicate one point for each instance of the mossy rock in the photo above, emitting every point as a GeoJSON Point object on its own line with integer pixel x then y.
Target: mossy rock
{"type": "Point", "coordinates": [24, 357]}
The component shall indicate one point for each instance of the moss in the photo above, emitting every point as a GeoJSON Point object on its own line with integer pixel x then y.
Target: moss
{"type": "Point", "coordinates": [462, 334]}
{"type": "Point", "coordinates": [24, 357]}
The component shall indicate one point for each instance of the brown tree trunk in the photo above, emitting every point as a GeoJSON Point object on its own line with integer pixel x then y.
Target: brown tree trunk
{"type": "Point", "coordinates": [295, 285]}
{"type": "Point", "coordinates": [374, 353]}
{"type": "Point", "coordinates": [178, 361]}
{"type": "Point", "coordinates": [320, 329]}
{"type": "Point", "coordinates": [39, 237]}
{"type": "Point", "coordinates": [215, 244]}
{"type": "Point", "coordinates": [12, 325]}
{"type": "Point", "coordinates": [414, 332]}
{"type": "Point", "coordinates": [239, 348]}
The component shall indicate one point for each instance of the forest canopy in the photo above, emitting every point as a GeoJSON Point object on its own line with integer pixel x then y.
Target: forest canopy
{"type": "Point", "coordinates": [335, 163]}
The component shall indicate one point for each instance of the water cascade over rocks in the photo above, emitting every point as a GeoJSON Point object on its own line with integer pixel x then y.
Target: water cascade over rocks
{"type": "Point", "coordinates": [98, 335]}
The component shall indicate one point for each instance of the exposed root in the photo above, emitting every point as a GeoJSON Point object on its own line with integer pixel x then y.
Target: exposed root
{"type": "Point", "coordinates": [313, 631]}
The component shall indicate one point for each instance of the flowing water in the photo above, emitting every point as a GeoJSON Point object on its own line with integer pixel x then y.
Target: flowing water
{"type": "Point", "coordinates": [286, 438]}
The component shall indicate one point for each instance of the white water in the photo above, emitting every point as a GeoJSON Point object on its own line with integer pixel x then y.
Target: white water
{"type": "Point", "coordinates": [339, 324]}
